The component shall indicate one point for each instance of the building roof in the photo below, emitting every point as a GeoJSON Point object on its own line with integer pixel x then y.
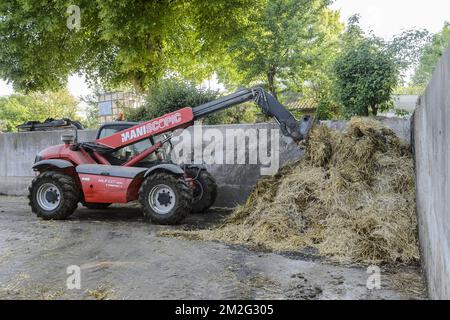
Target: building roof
{"type": "Point", "coordinates": [296, 102]}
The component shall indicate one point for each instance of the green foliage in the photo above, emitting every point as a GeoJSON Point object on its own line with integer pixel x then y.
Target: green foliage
{"type": "Point", "coordinates": [17, 108]}
{"type": "Point", "coordinates": [170, 95]}
{"type": "Point", "coordinates": [366, 74]}
{"type": "Point", "coordinates": [286, 42]}
{"type": "Point", "coordinates": [173, 94]}
{"type": "Point", "coordinates": [402, 113]}
{"type": "Point", "coordinates": [244, 113]}
{"type": "Point", "coordinates": [91, 108]}
{"type": "Point", "coordinates": [126, 41]}
{"type": "Point", "coordinates": [327, 109]}
{"type": "Point", "coordinates": [14, 111]}
{"type": "Point", "coordinates": [411, 90]}
{"type": "Point", "coordinates": [430, 57]}
{"type": "Point", "coordinates": [92, 117]}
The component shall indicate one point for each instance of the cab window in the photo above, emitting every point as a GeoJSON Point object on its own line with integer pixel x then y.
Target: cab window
{"type": "Point", "coordinates": [106, 132]}
{"type": "Point", "coordinates": [125, 153]}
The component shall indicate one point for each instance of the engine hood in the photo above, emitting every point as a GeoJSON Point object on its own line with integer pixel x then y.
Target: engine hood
{"type": "Point", "coordinates": [53, 152]}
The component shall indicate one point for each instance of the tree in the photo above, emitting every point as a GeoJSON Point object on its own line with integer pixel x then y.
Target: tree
{"type": "Point", "coordinates": [14, 111]}
{"type": "Point", "coordinates": [407, 48]}
{"type": "Point", "coordinates": [430, 57]}
{"type": "Point", "coordinates": [18, 108]}
{"type": "Point", "coordinates": [366, 74]}
{"type": "Point", "coordinates": [117, 42]}
{"type": "Point", "coordinates": [284, 43]}
{"type": "Point", "coordinates": [91, 108]}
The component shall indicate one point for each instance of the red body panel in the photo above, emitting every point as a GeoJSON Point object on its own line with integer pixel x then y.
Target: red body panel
{"type": "Point", "coordinates": [100, 159]}
{"type": "Point", "coordinates": [108, 189]}
{"type": "Point", "coordinates": [103, 189]}
{"type": "Point", "coordinates": [64, 152]}
{"type": "Point", "coordinates": [168, 122]}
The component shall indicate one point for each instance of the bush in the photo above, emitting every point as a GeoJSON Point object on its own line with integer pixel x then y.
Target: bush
{"type": "Point", "coordinates": [366, 77]}
{"type": "Point", "coordinates": [324, 110]}
{"type": "Point", "coordinates": [170, 95]}
{"type": "Point", "coordinates": [243, 113]}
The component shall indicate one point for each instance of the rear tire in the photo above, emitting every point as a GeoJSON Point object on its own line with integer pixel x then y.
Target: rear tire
{"type": "Point", "coordinates": [53, 195]}
{"type": "Point", "coordinates": [205, 190]}
{"type": "Point", "coordinates": [165, 198]}
{"type": "Point", "coordinates": [96, 206]}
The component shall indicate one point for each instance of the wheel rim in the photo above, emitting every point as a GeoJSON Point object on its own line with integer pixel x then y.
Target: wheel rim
{"type": "Point", "coordinates": [162, 199]}
{"type": "Point", "coordinates": [48, 196]}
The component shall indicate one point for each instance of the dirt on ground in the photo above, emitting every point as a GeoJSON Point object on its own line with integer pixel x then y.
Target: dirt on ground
{"type": "Point", "coordinates": [122, 257]}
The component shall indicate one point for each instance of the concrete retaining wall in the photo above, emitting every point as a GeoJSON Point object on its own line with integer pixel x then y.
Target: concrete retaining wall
{"type": "Point", "coordinates": [18, 150]}
{"type": "Point", "coordinates": [17, 153]}
{"type": "Point", "coordinates": [432, 149]}
{"type": "Point", "coordinates": [401, 126]}
{"type": "Point", "coordinates": [236, 181]}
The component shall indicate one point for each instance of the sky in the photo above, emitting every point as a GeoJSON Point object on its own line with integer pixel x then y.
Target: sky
{"type": "Point", "coordinates": [389, 17]}
{"type": "Point", "coordinates": [76, 84]}
{"type": "Point", "coordinates": [385, 18]}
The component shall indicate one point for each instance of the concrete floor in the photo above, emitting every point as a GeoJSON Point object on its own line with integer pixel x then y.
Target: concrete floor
{"type": "Point", "coordinates": [122, 257]}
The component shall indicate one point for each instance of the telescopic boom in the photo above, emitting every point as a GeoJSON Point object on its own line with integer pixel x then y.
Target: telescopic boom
{"type": "Point", "coordinates": [185, 117]}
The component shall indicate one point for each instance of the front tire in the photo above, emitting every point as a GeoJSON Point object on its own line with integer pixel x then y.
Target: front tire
{"type": "Point", "coordinates": [205, 189]}
{"type": "Point", "coordinates": [53, 195]}
{"type": "Point", "coordinates": [165, 198]}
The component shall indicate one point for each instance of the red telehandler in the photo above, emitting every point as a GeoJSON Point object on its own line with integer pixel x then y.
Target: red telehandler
{"type": "Point", "coordinates": [76, 172]}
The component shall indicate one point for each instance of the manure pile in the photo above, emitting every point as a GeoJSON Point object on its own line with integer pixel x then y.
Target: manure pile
{"type": "Point", "coordinates": [352, 198]}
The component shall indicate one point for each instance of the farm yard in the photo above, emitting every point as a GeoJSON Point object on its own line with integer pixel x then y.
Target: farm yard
{"type": "Point", "coordinates": [122, 257]}
{"type": "Point", "coordinates": [229, 150]}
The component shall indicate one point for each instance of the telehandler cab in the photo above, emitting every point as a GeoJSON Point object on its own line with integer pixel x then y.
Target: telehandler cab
{"type": "Point", "coordinates": [127, 162]}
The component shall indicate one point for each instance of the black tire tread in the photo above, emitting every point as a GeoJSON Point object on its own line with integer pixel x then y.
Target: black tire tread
{"type": "Point", "coordinates": [184, 201]}
{"type": "Point", "coordinates": [70, 195]}
{"type": "Point", "coordinates": [209, 189]}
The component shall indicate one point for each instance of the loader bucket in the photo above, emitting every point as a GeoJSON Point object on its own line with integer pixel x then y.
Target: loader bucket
{"type": "Point", "coordinates": [304, 127]}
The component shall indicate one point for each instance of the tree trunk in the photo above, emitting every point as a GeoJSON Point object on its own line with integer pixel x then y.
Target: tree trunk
{"type": "Point", "coordinates": [271, 82]}
{"type": "Point", "coordinates": [375, 110]}
{"type": "Point", "coordinates": [366, 111]}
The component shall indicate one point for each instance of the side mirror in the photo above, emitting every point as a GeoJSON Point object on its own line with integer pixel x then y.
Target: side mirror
{"type": "Point", "coordinates": [75, 128]}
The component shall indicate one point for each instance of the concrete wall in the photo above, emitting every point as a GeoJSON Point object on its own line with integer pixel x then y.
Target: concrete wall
{"type": "Point", "coordinates": [18, 150]}
{"type": "Point", "coordinates": [401, 126]}
{"type": "Point", "coordinates": [432, 149]}
{"type": "Point", "coordinates": [17, 153]}
{"type": "Point", "coordinates": [236, 181]}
